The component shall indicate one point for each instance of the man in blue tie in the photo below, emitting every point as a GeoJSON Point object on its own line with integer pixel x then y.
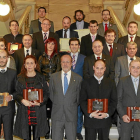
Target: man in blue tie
{"type": "Point", "coordinates": [64, 93]}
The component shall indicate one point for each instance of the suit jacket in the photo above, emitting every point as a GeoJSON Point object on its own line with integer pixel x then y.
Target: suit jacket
{"type": "Point", "coordinates": [124, 40]}
{"type": "Point", "coordinates": [88, 66]}
{"type": "Point", "coordinates": [101, 30]}
{"type": "Point", "coordinates": [121, 67]}
{"type": "Point", "coordinates": [38, 42]}
{"type": "Point", "coordinates": [19, 57]}
{"type": "Point", "coordinates": [127, 96]}
{"type": "Point", "coordinates": [79, 65]}
{"type": "Point", "coordinates": [90, 89]}
{"type": "Point", "coordinates": [74, 27]}
{"type": "Point", "coordinates": [64, 104]}
{"type": "Point", "coordinates": [72, 34]}
{"type": "Point", "coordinates": [86, 44]}
{"type": "Point", "coordinates": [118, 50]}
{"type": "Point", "coordinates": [34, 27]}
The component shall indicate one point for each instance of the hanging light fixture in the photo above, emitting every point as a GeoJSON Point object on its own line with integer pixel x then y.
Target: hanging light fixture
{"type": "Point", "coordinates": [4, 8]}
{"type": "Point", "coordinates": [137, 8]}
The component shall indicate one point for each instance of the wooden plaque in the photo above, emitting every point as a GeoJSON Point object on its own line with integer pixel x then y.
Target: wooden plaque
{"type": "Point", "coordinates": [14, 46]}
{"type": "Point", "coordinates": [3, 101]}
{"type": "Point", "coordinates": [98, 104]}
{"type": "Point", "coordinates": [26, 95]}
{"type": "Point", "coordinates": [133, 113]}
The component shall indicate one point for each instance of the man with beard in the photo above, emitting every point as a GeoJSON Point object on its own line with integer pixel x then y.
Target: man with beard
{"type": "Point", "coordinates": [80, 23]}
{"type": "Point", "coordinates": [35, 25]}
{"type": "Point", "coordinates": [7, 84]}
{"type": "Point", "coordinates": [110, 47]}
{"type": "Point", "coordinates": [132, 36]}
{"type": "Point", "coordinates": [106, 24]}
{"type": "Point", "coordinates": [66, 32]}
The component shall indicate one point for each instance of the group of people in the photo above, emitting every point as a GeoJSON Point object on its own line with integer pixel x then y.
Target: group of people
{"type": "Point", "coordinates": [105, 68]}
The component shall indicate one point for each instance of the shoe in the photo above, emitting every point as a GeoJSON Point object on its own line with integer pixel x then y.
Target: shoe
{"type": "Point", "coordinates": [79, 136]}
{"type": "Point", "coordinates": [132, 138]}
{"type": "Point", "coordinates": [119, 138]}
{"type": "Point", "coordinates": [65, 137]}
{"type": "Point", "coordinates": [47, 136]}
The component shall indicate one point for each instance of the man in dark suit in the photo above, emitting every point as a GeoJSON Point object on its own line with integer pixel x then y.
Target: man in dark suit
{"type": "Point", "coordinates": [128, 90]}
{"type": "Point", "coordinates": [105, 25]}
{"type": "Point", "coordinates": [64, 93]}
{"type": "Point", "coordinates": [86, 41]}
{"type": "Point", "coordinates": [20, 54]}
{"type": "Point", "coordinates": [77, 67]}
{"type": "Point", "coordinates": [110, 47]}
{"type": "Point", "coordinates": [40, 38]}
{"type": "Point", "coordinates": [132, 36]}
{"type": "Point", "coordinates": [80, 23]}
{"type": "Point", "coordinates": [66, 32]}
{"type": "Point", "coordinates": [35, 25]}
{"type": "Point", "coordinates": [98, 87]}
{"type": "Point", "coordinates": [89, 61]}
{"type": "Point", "coordinates": [7, 84]}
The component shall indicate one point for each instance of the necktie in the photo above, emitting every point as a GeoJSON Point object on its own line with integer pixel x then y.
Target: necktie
{"type": "Point", "coordinates": [2, 71]}
{"type": "Point", "coordinates": [65, 33]}
{"type": "Point", "coordinates": [131, 59]}
{"type": "Point", "coordinates": [65, 83]}
{"type": "Point", "coordinates": [45, 38]}
{"type": "Point", "coordinates": [93, 38]}
{"type": "Point", "coordinates": [136, 85]}
{"type": "Point", "coordinates": [111, 50]}
{"type": "Point", "coordinates": [73, 62]}
{"type": "Point", "coordinates": [27, 52]}
{"type": "Point", "coordinates": [131, 38]}
{"type": "Point", "coordinates": [106, 28]}
{"type": "Point", "coordinates": [98, 58]}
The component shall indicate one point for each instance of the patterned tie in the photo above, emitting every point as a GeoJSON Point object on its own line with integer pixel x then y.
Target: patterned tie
{"type": "Point", "coordinates": [98, 58]}
{"type": "Point", "coordinates": [45, 38]}
{"type": "Point", "coordinates": [73, 62]}
{"type": "Point", "coordinates": [136, 85]}
{"type": "Point", "coordinates": [65, 33]}
{"type": "Point", "coordinates": [93, 38]}
{"type": "Point", "coordinates": [27, 52]}
{"type": "Point", "coordinates": [106, 28]}
{"type": "Point", "coordinates": [131, 38]}
{"type": "Point", "coordinates": [111, 50]}
{"type": "Point", "coordinates": [65, 83]}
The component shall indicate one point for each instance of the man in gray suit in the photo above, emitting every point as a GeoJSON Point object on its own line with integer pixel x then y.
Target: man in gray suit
{"type": "Point", "coordinates": [35, 25]}
{"type": "Point", "coordinates": [106, 24]}
{"type": "Point", "coordinates": [64, 92]}
{"type": "Point", "coordinates": [129, 96]}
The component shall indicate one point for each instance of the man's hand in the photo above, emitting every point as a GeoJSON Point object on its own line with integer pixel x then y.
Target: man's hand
{"type": "Point", "coordinates": [8, 98]}
{"type": "Point", "coordinates": [102, 116]}
{"type": "Point", "coordinates": [126, 119]}
{"type": "Point", "coordinates": [26, 102]}
{"type": "Point", "coordinates": [95, 114]}
{"type": "Point", "coordinates": [35, 103]}
{"type": "Point", "coordinates": [11, 52]}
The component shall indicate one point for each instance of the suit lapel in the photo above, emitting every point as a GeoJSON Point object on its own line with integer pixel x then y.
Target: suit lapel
{"type": "Point", "coordinates": [60, 83]}
{"type": "Point", "coordinates": [78, 61]}
{"type": "Point", "coordinates": [138, 91]}
{"type": "Point", "coordinates": [126, 64]}
{"type": "Point", "coordinates": [22, 54]}
{"type": "Point", "coordinates": [136, 39]}
{"type": "Point", "coordinates": [114, 49]}
{"type": "Point", "coordinates": [102, 28]}
{"type": "Point", "coordinates": [105, 50]}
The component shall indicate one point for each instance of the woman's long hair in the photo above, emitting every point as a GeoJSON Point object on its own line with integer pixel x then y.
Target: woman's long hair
{"type": "Point", "coordinates": [24, 70]}
{"type": "Point", "coordinates": [55, 46]}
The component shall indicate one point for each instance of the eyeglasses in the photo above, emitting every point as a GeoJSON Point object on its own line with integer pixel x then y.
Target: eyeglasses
{"type": "Point", "coordinates": [45, 24]}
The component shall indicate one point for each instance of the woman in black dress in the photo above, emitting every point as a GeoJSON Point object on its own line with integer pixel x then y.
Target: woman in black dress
{"type": "Point", "coordinates": [31, 113]}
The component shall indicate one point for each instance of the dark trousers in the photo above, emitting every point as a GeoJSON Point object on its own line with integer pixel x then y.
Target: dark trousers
{"type": "Point", "coordinates": [91, 134]}
{"type": "Point", "coordinates": [34, 129]}
{"type": "Point", "coordinates": [80, 120]}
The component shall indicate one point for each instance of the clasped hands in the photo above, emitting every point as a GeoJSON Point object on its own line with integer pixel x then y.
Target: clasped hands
{"type": "Point", "coordinates": [98, 115]}
{"type": "Point", "coordinates": [30, 103]}
{"type": "Point", "coordinates": [126, 118]}
{"type": "Point", "coordinates": [8, 98]}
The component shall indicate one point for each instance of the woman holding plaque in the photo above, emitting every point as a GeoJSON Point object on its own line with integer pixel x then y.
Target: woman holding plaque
{"type": "Point", "coordinates": [30, 112]}
{"type": "Point", "coordinates": [49, 63]}
{"type": "Point", "coordinates": [11, 62]}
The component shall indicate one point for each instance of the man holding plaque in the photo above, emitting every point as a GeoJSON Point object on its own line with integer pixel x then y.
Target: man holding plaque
{"type": "Point", "coordinates": [128, 90]}
{"type": "Point", "coordinates": [103, 92]}
{"type": "Point", "coordinates": [7, 88]}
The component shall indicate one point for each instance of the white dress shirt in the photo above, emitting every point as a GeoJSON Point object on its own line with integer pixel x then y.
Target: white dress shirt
{"type": "Point", "coordinates": [4, 69]}
{"type": "Point", "coordinates": [98, 56]}
{"type": "Point", "coordinates": [68, 33]}
{"type": "Point", "coordinates": [128, 58]}
{"type": "Point", "coordinates": [68, 77]}
{"type": "Point", "coordinates": [76, 56]}
{"type": "Point", "coordinates": [46, 34]}
{"type": "Point", "coordinates": [129, 39]}
{"type": "Point", "coordinates": [98, 79]}
{"type": "Point", "coordinates": [25, 52]}
{"type": "Point", "coordinates": [93, 35]}
{"type": "Point", "coordinates": [109, 46]}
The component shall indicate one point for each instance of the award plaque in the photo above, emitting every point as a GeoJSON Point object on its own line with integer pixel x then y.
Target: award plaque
{"type": "Point", "coordinates": [133, 113]}
{"type": "Point", "coordinates": [98, 104]}
{"type": "Point", "coordinates": [33, 95]}
{"type": "Point", "coordinates": [14, 47]}
{"type": "Point", "coordinates": [64, 44]}
{"type": "Point", "coordinates": [3, 101]}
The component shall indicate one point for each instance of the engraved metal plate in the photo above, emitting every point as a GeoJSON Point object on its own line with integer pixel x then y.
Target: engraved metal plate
{"type": "Point", "coordinates": [14, 47]}
{"type": "Point", "coordinates": [135, 114]}
{"type": "Point", "coordinates": [33, 95]}
{"type": "Point", "coordinates": [97, 105]}
{"type": "Point", "coordinates": [1, 99]}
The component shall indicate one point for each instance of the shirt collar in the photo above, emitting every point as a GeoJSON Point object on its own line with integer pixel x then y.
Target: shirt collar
{"type": "Point", "coordinates": [132, 35]}
{"type": "Point", "coordinates": [98, 56]}
{"type": "Point", "coordinates": [98, 79]}
{"type": "Point", "coordinates": [4, 69]}
{"type": "Point", "coordinates": [67, 29]}
{"type": "Point", "coordinates": [80, 22]}
{"type": "Point", "coordinates": [68, 73]}
{"type": "Point", "coordinates": [106, 23]}
{"type": "Point", "coordinates": [92, 34]}
{"type": "Point", "coordinates": [109, 44]}
{"type": "Point", "coordinates": [27, 49]}
{"type": "Point", "coordinates": [134, 78]}
{"type": "Point", "coordinates": [76, 54]}
{"type": "Point", "coordinates": [131, 57]}
{"type": "Point", "coordinates": [45, 32]}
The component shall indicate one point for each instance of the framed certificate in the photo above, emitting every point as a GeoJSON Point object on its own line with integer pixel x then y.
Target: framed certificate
{"type": "Point", "coordinates": [82, 32]}
{"type": "Point", "coordinates": [14, 46]}
{"type": "Point", "coordinates": [3, 101]}
{"type": "Point", "coordinates": [98, 104]}
{"type": "Point", "coordinates": [134, 113]}
{"type": "Point", "coordinates": [64, 44]}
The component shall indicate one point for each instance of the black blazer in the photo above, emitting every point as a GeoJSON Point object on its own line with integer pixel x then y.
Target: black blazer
{"type": "Point", "coordinates": [90, 89]}
{"type": "Point", "coordinates": [74, 27]}
{"type": "Point", "coordinates": [124, 40]}
{"type": "Point", "coordinates": [86, 44]}
{"type": "Point", "coordinates": [38, 42]}
{"type": "Point", "coordinates": [72, 34]}
{"type": "Point", "coordinates": [118, 50]}
{"type": "Point", "coordinates": [19, 57]}
{"type": "Point", "coordinates": [89, 62]}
